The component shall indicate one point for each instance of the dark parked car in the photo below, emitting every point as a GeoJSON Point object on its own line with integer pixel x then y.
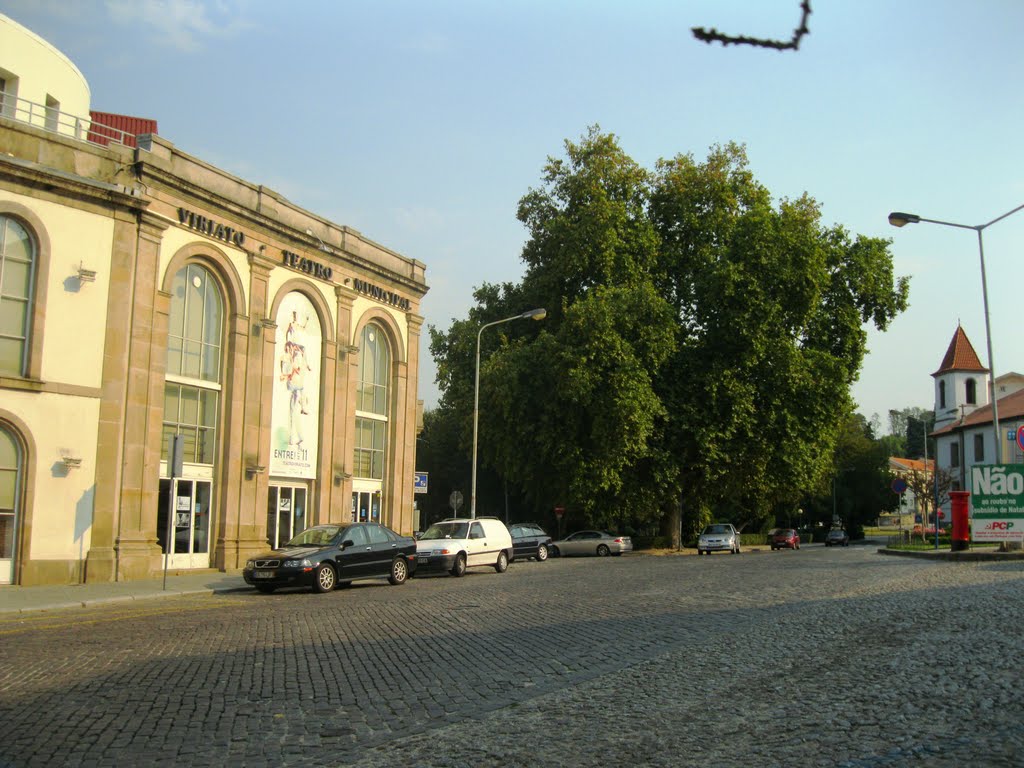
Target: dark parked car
{"type": "Point", "coordinates": [325, 556]}
{"type": "Point", "coordinates": [837, 537]}
{"type": "Point", "coordinates": [785, 538]}
{"type": "Point", "coordinates": [529, 540]}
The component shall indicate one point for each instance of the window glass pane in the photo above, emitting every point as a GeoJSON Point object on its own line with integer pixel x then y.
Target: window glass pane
{"type": "Point", "coordinates": [8, 481]}
{"type": "Point", "coordinates": [378, 435]}
{"type": "Point", "coordinates": [17, 244]}
{"type": "Point", "coordinates": [205, 449]}
{"type": "Point", "coordinates": [174, 354]}
{"type": "Point", "coordinates": [176, 324]}
{"type": "Point", "coordinates": [211, 364]}
{"type": "Point", "coordinates": [189, 406]}
{"type": "Point", "coordinates": [8, 451]}
{"type": "Point", "coordinates": [208, 408]}
{"type": "Point", "coordinates": [17, 276]}
{"type": "Point", "coordinates": [191, 441]}
{"type": "Point", "coordinates": [190, 360]}
{"type": "Point", "coordinates": [11, 356]}
{"type": "Point", "coordinates": [194, 303]}
{"type": "Point", "coordinates": [13, 316]}
{"type": "Point", "coordinates": [7, 535]}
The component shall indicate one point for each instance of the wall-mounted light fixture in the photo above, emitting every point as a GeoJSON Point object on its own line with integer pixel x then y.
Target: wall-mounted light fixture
{"type": "Point", "coordinates": [265, 324]}
{"type": "Point", "coordinates": [255, 469]}
{"type": "Point", "coordinates": [86, 275]}
{"type": "Point", "coordinates": [340, 475]}
{"type": "Point", "coordinates": [344, 350]}
{"type": "Point", "coordinates": [323, 245]}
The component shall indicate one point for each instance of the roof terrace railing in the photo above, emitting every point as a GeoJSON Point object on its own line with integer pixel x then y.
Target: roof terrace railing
{"type": "Point", "coordinates": [52, 119]}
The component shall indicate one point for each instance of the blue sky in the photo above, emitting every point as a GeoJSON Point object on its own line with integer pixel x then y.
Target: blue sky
{"type": "Point", "coordinates": [421, 124]}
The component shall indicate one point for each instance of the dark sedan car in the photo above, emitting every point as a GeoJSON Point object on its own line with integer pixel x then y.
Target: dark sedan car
{"type": "Point", "coordinates": [837, 537]}
{"type": "Point", "coordinates": [785, 538]}
{"type": "Point", "coordinates": [325, 556]}
{"type": "Point", "coordinates": [529, 540]}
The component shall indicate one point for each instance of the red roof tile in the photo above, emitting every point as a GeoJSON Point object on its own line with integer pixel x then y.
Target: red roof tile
{"type": "Point", "coordinates": [960, 356]}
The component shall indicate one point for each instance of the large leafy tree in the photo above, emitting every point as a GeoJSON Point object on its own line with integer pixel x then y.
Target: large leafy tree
{"type": "Point", "coordinates": [699, 348]}
{"type": "Point", "coordinates": [771, 306]}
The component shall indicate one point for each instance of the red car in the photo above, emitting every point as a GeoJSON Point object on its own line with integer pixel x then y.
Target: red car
{"type": "Point", "coordinates": [785, 538]}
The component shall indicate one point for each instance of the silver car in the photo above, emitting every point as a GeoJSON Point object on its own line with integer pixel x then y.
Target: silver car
{"type": "Point", "coordinates": [718, 537]}
{"type": "Point", "coordinates": [597, 543]}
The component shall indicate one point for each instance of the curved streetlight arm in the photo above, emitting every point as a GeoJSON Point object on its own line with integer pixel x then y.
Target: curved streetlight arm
{"type": "Point", "coordinates": [532, 314]}
{"type": "Point", "coordinates": [899, 219]}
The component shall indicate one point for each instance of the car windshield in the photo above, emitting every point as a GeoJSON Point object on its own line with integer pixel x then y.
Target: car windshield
{"type": "Point", "coordinates": [717, 529]}
{"type": "Point", "coordinates": [320, 536]}
{"type": "Point", "coordinates": [459, 530]}
{"type": "Point", "coordinates": [789, 532]}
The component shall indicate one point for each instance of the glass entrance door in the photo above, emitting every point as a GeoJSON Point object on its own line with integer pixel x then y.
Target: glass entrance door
{"type": "Point", "coordinates": [366, 506]}
{"type": "Point", "coordinates": [190, 522]}
{"type": "Point", "coordinates": [286, 513]}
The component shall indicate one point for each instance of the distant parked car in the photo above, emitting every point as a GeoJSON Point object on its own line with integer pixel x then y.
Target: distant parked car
{"type": "Point", "coordinates": [529, 540]}
{"type": "Point", "coordinates": [598, 543]}
{"type": "Point", "coordinates": [785, 538]}
{"type": "Point", "coordinates": [718, 537]}
{"type": "Point", "coordinates": [837, 537]}
{"type": "Point", "coordinates": [459, 543]}
{"type": "Point", "coordinates": [324, 556]}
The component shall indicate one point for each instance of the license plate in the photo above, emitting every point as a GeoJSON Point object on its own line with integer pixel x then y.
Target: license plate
{"type": "Point", "coordinates": [263, 574]}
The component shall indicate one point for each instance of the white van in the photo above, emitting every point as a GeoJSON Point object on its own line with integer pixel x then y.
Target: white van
{"type": "Point", "coordinates": [459, 543]}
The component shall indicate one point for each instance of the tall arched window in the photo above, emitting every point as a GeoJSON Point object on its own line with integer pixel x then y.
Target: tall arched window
{"type": "Point", "coordinates": [17, 275]}
{"type": "Point", "coordinates": [942, 394]}
{"type": "Point", "coordinates": [193, 384]}
{"type": "Point", "coordinates": [10, 482]}
{"type": "Point", "coordinates": [971, 394]}
{"type": "Point", "coordinates": [372, 403]}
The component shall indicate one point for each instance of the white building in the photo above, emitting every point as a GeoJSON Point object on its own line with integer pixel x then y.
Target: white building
{"type": "Point", "coordinates": [963, 414]}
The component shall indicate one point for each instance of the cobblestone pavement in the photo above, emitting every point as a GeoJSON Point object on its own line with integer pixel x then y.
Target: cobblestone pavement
{"type": "Point", "coordinates": [820, 657]}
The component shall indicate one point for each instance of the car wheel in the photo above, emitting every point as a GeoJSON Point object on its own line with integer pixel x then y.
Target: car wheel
{"type": "Point", "coordinates": [459, 569]}
{"type": "Point", "coordinates": [324, 578]}
{"type": "Point", "coordinates": [603, 551]}
{"type": "Point", "coordinates": [501, 565]}
{"type": "Point", "coordinates": [542, 553]}
{"type": "Point", "coordinates": [399, 571]}
{"type": "Point", "coordinates": [555, 552]}
{"type": "Point", "coordinates": [266, 589]}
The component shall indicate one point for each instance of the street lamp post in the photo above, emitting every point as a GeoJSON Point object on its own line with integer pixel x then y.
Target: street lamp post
{"type": "Point", "coordinates": [533, 314]}
{"type": "Point", "coordinates": [899, 219]}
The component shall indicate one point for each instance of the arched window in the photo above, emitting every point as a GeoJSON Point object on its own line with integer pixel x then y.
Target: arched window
{"type": "Point", "coordinates": [372, 403]}
{"type": "Point", "coordinates": [17, 276]}
{"type": "Point", "coordinates": [193, 384]}
{"type": "Point", "coordinates": [10, 482]}
{"type": "Point", "coordinates": [942, 394]}
{"type": "Point", "coordinates": [971, 394]}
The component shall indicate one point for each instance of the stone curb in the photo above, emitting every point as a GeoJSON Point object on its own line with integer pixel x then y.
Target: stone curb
{"type": "Point", "coordinates": [968, 556]}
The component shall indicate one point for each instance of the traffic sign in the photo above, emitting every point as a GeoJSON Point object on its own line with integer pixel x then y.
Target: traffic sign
{"type": "Point", "coordinates": [455, 500]}
{"type": "Point", "coordinates": [1020, 436]}
{"type": "Point", "coordinates": [899, 485]}
{"type": "Point", "coordinates": [559, 511]}
{"type": "Point", "coordinates": [419, 482]}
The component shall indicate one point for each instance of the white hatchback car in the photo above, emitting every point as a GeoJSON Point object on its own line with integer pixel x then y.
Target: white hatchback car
{"type": "Point", "coordinates": [459, 543]}
{"type": "Point", "coordinates": [718, 537]}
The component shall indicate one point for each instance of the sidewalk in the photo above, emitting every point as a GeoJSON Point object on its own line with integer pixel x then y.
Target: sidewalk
{"type": "Point", "coordinates": [17, 599]}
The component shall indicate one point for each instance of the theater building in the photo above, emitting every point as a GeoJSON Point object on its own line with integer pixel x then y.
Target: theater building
{"type": "Point", "coordinates": [146, 294]}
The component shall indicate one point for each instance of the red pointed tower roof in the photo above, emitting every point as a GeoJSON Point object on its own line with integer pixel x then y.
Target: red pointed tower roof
{"type": "Point", "coordinates": [960, 356]}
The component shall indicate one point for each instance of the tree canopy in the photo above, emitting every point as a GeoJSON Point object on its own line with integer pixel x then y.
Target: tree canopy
{"type": "Point", "coordinates": [699, 347]}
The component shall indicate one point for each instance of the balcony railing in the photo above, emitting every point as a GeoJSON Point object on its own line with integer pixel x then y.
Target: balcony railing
{"type": "Point", "coordinates": [53, 120]}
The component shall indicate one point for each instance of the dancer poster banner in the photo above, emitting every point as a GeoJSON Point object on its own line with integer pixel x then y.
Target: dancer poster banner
{"type": "Point", "coordinates": [296, 409]}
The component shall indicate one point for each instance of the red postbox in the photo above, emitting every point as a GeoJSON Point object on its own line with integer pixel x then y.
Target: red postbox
{"type": "Point", "coordinates": [961, 526]}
